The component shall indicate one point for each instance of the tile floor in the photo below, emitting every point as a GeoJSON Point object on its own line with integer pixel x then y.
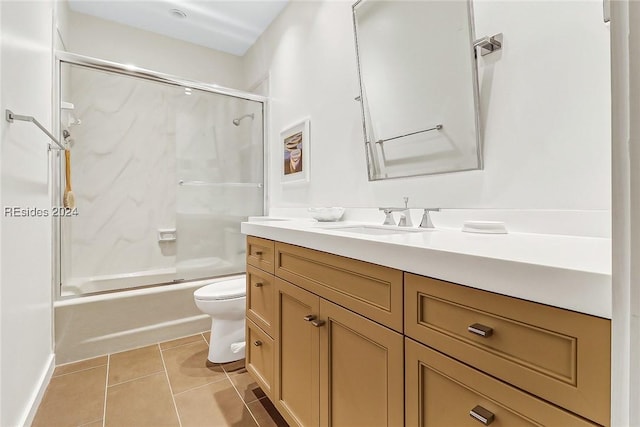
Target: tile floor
{"type": "Point", "coordinates": [165, 384]}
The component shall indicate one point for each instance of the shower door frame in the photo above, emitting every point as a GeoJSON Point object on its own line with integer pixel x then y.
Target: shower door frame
{"type": "Point", "coordinates": [141, 73]}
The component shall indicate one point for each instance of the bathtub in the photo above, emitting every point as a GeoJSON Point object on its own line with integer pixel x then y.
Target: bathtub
{"type": "Point", "coordinates": [95, 325]}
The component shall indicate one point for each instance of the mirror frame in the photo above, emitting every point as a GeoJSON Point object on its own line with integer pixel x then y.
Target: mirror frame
{"type": "Point", "coordinates": [476, 101]}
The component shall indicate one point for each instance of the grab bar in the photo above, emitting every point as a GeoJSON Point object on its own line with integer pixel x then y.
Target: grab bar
{"type": "Point", "coordinates": [221, 184]}
{"type": "Point", "coordinates": [10, 116]}
{"type": "Point", "coordinates": [436, 127]}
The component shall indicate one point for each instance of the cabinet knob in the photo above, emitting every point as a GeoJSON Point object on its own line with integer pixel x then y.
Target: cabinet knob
{"type": "Point", "coordinates": [258, 284]}
{"type": "Point", "coordinates": [317, 323]}
{"type": "Point", "coordinates": [309, 317]}
{"type": "Point", "coordinates": [483, 415]}
{"type": "Point", "coordinates": [257, 343]}
{"type": "Point", "coordinates": [482, 330]}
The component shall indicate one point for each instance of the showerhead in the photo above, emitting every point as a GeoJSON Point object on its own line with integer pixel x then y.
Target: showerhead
{"type": "Point", "coordinates": [237, 121]}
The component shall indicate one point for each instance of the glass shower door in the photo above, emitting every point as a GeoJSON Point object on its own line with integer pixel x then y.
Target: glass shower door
{"type": "Point", "coordinates": [163, 176]}
{"type": "Point", "coordinates": [219, 165]}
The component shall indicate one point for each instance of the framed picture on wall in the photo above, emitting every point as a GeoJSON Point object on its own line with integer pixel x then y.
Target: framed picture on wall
{"type": "Point", "coordinates": [294, 142]}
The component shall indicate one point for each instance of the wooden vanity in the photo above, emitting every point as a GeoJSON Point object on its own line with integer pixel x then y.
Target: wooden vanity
{"type": "Point", "coordinates": [343, 342]}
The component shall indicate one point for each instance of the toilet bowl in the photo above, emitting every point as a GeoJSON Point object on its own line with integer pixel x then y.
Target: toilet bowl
{"type": "Point", "coordinates": [225, 302]}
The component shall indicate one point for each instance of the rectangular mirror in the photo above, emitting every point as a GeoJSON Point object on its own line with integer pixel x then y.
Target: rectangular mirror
{"type": "Point", "coordinates": [418, 87]}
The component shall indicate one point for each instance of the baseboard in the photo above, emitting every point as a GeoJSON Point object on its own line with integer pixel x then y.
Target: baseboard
{"type": "Point", "coordinates": [38, 394]}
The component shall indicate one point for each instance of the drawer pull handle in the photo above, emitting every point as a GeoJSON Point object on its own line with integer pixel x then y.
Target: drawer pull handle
{"type": "Point", "coordinates": [258, 253]}
{"type": "Point", "coordinates": [482, 415]}
{"type": "Point", "coordinates": [478, 329]}
{"type": "Point", "coordinates": [258, 284]}
{"type": "Point", "coordinates": [309, 317]}
{"type": "Point", "coordinates": [257, 343]}
{"type": "Point", "coordinates": [317, 323]}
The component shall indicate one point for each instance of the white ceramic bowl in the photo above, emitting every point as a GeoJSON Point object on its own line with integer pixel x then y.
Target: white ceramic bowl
{"type": "Point", "coordinates": [326, 214]}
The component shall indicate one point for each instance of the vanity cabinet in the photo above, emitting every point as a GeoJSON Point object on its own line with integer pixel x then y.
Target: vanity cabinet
{"type": "Point", "coordinates": [324, 336]}
{"type": "Point", "coordinates": [333, 366]}
{"type": "Point", "coordinates": [558, 355]}
{"type": "Point", "coordinates": [349, 343]}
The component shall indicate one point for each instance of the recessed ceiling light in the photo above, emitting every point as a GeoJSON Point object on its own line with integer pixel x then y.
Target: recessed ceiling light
{"type": "Point", "coordinates": [177, 13]}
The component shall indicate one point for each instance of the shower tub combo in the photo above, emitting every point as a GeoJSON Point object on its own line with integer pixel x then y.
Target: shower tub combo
{"type": "Point", "coordinates": [164, 170]}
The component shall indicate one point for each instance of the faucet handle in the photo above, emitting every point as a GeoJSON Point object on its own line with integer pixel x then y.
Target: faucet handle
{"type": "Point", "coordinates": [404, 221]}
{"type": "Point", "coordinates": [426, 218]}
{"type": "Point", "coordinates": [388, 219]}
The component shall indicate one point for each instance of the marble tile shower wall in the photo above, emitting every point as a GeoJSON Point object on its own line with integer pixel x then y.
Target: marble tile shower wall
{"type": "Point", "coordinates": [137, 140]}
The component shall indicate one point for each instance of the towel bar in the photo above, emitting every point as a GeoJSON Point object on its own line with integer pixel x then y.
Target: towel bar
{"type": "Point", "coordinates": [10, 116]}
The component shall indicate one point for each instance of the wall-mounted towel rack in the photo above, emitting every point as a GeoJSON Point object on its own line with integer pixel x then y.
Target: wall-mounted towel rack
{"type": "Point", "coordinates": [10, 116]}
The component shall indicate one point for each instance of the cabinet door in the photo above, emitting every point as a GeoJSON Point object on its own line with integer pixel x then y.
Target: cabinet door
{"type": "Point", "coordinates": [361, 371]}
{"type": "Point", "coordinates": [297, 354]}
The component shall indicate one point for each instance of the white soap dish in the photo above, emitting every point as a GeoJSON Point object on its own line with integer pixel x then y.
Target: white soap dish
{"type": "Point", "coordinates": [326, 214]}
{"type": "Point", "coordinates": [487, 227]}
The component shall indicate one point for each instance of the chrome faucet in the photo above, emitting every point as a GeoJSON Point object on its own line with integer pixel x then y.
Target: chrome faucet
{"type": "Point", "coordinates": [405, 218]}
{"type": "Point", "coordinates": [426, 218]}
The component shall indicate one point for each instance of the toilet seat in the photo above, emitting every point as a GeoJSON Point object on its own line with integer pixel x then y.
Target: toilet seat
{"type": "Point", "coordinates": [229, 289]}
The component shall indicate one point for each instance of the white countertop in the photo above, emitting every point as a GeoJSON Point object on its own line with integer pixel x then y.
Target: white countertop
{"type": "Point", "coordinates": [563, 271]}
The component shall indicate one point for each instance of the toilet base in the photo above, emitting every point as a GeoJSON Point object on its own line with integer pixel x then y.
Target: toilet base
{"type": "Point", "coordinates": [223, 334]}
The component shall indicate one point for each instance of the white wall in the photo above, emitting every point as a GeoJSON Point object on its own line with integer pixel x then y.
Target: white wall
{"type": "Point", "coordinates": [545, 109]}
{"type": "Point", "coordinates": [95, 37]}
{"type": "Point", "coordinates": [25, 268]}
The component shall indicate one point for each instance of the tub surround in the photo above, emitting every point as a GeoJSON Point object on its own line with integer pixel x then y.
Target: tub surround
{"type": "Point", "coordinates": [570, 272]}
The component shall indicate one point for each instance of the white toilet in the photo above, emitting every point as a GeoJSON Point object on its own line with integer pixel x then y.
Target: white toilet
{"type": "Point", "coordinates": [225, 303]}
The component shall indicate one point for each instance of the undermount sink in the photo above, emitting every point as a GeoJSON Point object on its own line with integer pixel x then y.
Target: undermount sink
{"type": "Point", "coordinates": [375, 230]}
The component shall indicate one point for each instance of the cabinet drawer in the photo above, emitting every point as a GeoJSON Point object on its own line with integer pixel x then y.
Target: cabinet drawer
{"type": "Point", "coordinates": [259, 357]}
{"type": "Point", "coordinates": [559, 355]}
{"type": "Point", "coordinates": [441, 391]}
{"type": "Point", "coordinates": [260, 253]}
{"type": "Point", "coordinates": [371, 290]}
{"type": "Point", "coordinates": [260, 298]}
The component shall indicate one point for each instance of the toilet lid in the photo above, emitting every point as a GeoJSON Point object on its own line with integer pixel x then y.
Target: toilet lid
{"type": "Point", "coordinates": [228, 289]}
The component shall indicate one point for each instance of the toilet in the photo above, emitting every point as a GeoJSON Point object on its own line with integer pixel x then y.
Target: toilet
{"type": "Point", "coordinates": [225, 302]}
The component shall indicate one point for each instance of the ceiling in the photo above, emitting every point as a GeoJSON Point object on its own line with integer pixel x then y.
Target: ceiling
{"type": "Point", "coordinates": [230, 26]}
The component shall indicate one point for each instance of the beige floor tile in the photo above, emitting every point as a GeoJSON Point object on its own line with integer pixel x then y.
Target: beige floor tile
{"type": "Point", "coordinates": [144, 402]}
{"type": "Point", "coordinates": [97, 423]}
{"type": "Point", "coordinates": [181, 341]}
{"type": "Point", "coordinates": [80, 366]}
{"type": "Point", "coordinates": [187, 367]}
{"type": "Point", "coordinates": [207, 336]}
{"type": "Point", "coordinates": [249, 390]}
{"type": "Point", "coordinates": [231, 367]}
{"type": "Point", "coordinates": [266, 414]}
{"type": "Point", "coordinates": [73, 399]}
{"type": "Point", "coordinates": [215, 404]}
{"type": "Point", "coordinates": [132, 364]}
